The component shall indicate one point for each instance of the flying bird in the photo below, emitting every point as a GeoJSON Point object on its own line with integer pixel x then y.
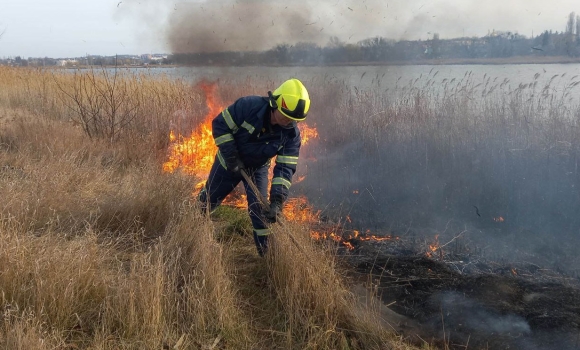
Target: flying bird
{"type": "Point", "coordinates": [120, 2]}
{"type": "Point", "coordinates": [476, 210]}
{"type": "Point", "coordinates": [537, 48]}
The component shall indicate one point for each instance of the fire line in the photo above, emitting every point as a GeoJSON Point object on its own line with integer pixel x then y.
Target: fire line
{"type": "Point", "coordinates": [193, 154]}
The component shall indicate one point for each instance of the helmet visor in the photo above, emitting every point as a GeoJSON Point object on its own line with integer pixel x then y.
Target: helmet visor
{"type": "Point", "coordinates": [298, 112]}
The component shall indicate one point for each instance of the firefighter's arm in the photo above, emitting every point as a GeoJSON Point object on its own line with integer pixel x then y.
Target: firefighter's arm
{"type": "Point", "coordinates": [223, 129]}
{"type": "Point", "coordinates": [229, 122]}
{"type": "Point", "coordinates": [286, 162]}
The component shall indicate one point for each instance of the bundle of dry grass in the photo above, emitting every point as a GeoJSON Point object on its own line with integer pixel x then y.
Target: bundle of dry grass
{"type": "Point", "coordinates": [320, 310]}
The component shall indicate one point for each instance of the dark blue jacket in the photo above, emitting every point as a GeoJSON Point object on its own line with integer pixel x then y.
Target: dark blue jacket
{"type": "Point", "coordinates": [244, 128]}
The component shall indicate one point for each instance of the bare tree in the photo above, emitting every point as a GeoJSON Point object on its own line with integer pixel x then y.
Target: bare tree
{"type": "Point", "coordinates": [104, 104]}
{"type": "Point", "coordinates": [570, 37]}
{"type": "Point", "coordinates": [334, 42]}
{"type": "Point", "coordinates": [570, 26]}
{"type": "Point", "coordinates": [577, 29]}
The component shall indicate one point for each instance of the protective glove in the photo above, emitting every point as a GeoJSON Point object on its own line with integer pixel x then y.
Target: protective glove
{"type": "Point", "coordinates": [235, 164]}
{"type": "Point", "coordinates": [275, 212]}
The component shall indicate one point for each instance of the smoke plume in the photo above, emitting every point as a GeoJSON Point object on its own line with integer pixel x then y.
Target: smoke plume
{"type": "Point", "coordinates": [255, 25]}
{"type": "Point", "coordinates": [250, 25]}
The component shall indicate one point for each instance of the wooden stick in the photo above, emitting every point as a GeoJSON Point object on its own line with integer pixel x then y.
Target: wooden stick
{"type": "Point", "coordinates": [266, 207]}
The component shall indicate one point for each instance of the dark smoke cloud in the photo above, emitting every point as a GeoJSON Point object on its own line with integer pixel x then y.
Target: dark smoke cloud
{"type": "Point", "coordinates": [250, 25]}
{"type": "Point", "coordinates": [237, 26]}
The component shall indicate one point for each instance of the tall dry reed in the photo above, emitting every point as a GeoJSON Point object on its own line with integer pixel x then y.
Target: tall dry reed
{"type": "Point", "coordinates": [464, 141]}
{"type": "Point", "coordinates": [320, 310]}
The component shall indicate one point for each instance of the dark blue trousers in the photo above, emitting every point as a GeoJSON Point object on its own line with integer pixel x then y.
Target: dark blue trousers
{"type": "Point", "coordinates": [222, 182]}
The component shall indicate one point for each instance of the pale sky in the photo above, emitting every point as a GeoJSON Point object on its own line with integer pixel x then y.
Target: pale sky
{"type": "Point", "coordinates": [73, 28]}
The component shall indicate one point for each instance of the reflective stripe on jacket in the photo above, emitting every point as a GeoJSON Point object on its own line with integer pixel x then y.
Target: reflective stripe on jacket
{"type": "Point", "coordinates": [244, 128]}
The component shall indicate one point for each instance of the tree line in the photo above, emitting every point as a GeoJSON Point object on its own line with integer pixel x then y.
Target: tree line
{"type": "Point", "coordinates": [497, 44]}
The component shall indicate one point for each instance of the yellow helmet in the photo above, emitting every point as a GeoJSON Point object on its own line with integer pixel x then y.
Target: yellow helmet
{"type": "Point", "coordinates": [291, 99]}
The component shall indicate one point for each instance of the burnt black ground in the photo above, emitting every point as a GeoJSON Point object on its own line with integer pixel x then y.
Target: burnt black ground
{"type": "Point", "coordinates": [476, 304]}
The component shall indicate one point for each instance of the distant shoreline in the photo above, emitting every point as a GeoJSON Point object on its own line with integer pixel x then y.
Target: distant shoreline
{"type": "Point", "coordinates": [427, 62]}
{"type": "Point", "coordinates": [468, 61]}
{"type": "Point", "coordinates": [422, 62]}
{"type": "Point", "coordinates": [499, 61]}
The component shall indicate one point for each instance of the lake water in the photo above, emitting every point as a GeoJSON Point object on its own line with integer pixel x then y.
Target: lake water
{"type": "Point", "coordinates": [558, 75]}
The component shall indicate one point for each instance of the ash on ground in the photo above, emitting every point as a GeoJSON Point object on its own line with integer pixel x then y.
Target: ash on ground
{"type": "Point", "coordinates": [462, 297]}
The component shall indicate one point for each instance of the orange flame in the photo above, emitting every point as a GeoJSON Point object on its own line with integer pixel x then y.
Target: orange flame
{"type": "Point", "coordinates": [348, 245]}
{"type": "Point", "coordinates": [298, 209]}
{"type": "Point", "coordinates": [307, 133]}
{"type": "Point", "coordinates": [433, 247]}
{"type": "Point", "coordinates": [195, 153]}
{"type": "Point", "coordinates": [370, 237]}
{"type": "Point", "coordinates": [346, 240]}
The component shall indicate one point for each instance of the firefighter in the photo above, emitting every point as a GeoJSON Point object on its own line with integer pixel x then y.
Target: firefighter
{"type": "Point", "coordinates": [249, 134]}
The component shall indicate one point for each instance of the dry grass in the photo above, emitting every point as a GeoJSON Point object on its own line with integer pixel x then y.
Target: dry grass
{"type": "Point", "coordinates": [99, 249]}
{"type": "Point", "coordinates": [321, 311]}
{"type": "Point", "coordinates": [82, 259]}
